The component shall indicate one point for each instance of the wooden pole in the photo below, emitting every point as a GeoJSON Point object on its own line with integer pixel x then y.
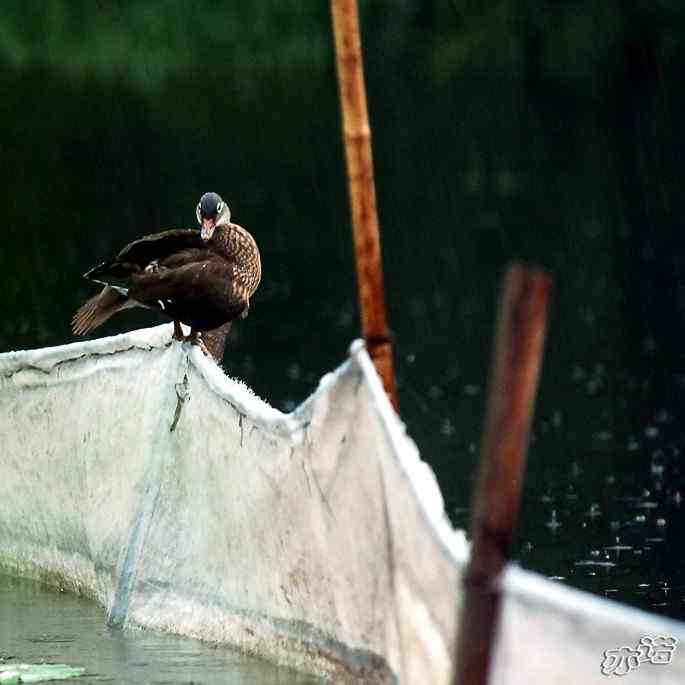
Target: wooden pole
{"type": "Point", "coordinates": [357, 140]}
{"type": "Point", "coordinates": [521, 327]}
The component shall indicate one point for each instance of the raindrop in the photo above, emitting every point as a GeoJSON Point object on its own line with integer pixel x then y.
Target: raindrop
{"type": "Point", "coordinates": [472, 390]}
{"type": "Point", "coordinates": [411, 358]}
{"type": "Point", "coordinates": [662, 416]}
{"type": "Point", "coordinates": [592, 387]}
{"type": "Point", "coordinates": [556, 419]}
{"type": "Point", "coordinates": [661, 522]}
{"type": "Point", "coordinates": [578, 373]}
{"type": "Point", "coordinates": [657, 466]}
{"type": "Point", "coordinates": [593, 512]}
{"type": "Point", "coordinates": [633, 445]}
{"type": "Point", "coordinates": [614, 525]}
{"type": "Point", "coordinates": [345, 316]}
{"type": "Point", "coordinates": [640, 518]}
{"type": "Point", "coordinates": [611, 480]}
{"type": "Point", "coordinates": [617, 549]}
{"type": "Point", "coordinates": [560, 578]}
{"type": "Point", "coordinates": [447, 427]}
{"type": "Point", "coordinates": [651, 431]}
{"type": "Point", "coordinates": [604, 436]}
{"type": "Point", "coordinates": [553, 523]}
{"type": "Point", "coordinates": [677, 498]}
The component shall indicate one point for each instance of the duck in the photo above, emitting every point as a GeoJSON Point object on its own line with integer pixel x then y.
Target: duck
{"type": "Point", "coordinates": [203, 279]}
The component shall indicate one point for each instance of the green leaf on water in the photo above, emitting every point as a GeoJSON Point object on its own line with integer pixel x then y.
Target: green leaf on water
{"type": "Point", "coordinates": [37, 673]}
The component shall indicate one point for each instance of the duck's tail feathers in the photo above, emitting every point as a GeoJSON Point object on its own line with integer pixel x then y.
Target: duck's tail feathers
{"type": "Point", "coordinates": [115, 274]}
{"type": "Point", "coordinates": [98, 309]}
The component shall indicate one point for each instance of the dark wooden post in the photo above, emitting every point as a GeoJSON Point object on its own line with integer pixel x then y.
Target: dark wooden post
{"type": "Point", "coordinates": [521, 328]}
{"type": "Point", "coordinates": [357, 139]}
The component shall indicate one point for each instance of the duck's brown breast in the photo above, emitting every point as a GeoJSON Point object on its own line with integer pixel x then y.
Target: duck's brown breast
{"type": "Point", "coordinates": [239, 248]}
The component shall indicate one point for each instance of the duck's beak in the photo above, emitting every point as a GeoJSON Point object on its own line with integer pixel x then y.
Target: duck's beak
{"type": "Point", "coordinates": [208, 226]}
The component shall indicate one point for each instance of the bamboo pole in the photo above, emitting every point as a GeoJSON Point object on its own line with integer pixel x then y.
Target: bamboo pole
{"type": "Point", "coordinates": [357, 140]}
{"type": "Point", "coordinates": [517, 356]}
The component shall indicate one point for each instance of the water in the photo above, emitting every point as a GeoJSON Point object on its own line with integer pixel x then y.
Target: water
{"type": "Point", "coordinates": [38, 624]}
{"type": "Point", "coordinates": [613, 475]}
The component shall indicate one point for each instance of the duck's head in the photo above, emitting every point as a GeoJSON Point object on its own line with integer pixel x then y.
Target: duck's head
{"type": "Point", "coordinates": [211, 212]}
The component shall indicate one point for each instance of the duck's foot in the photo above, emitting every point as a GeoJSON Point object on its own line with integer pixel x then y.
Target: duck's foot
{"type": "Point", "coordinates": [196, 339]}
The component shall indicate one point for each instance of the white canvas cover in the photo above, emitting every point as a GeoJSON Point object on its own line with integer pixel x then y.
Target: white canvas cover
{"type": "Point", "coordinates": [133, 471]}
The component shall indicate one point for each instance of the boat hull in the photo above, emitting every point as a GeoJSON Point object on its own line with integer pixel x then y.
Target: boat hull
{"type": "Point", "coordinates": [135, 472]}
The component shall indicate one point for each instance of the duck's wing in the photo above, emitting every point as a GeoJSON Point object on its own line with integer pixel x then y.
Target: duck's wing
{"type": "Point", "coordinates": [157, 246]}
{"type": "Point", "coordinates": [187, 289]}
{"type": "Point", "coordinates": [144, 252]}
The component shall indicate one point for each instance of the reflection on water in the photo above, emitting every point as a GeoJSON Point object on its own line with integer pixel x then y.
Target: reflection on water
{"type": "Point", "coordinates": [39, 625]}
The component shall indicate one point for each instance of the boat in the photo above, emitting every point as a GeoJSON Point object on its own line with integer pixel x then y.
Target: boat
{"type": "Point", "coordinates": [134, 472]}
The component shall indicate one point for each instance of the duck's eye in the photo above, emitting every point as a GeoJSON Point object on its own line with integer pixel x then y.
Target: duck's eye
{"type": "Point", "coordinates": [219, 207]}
